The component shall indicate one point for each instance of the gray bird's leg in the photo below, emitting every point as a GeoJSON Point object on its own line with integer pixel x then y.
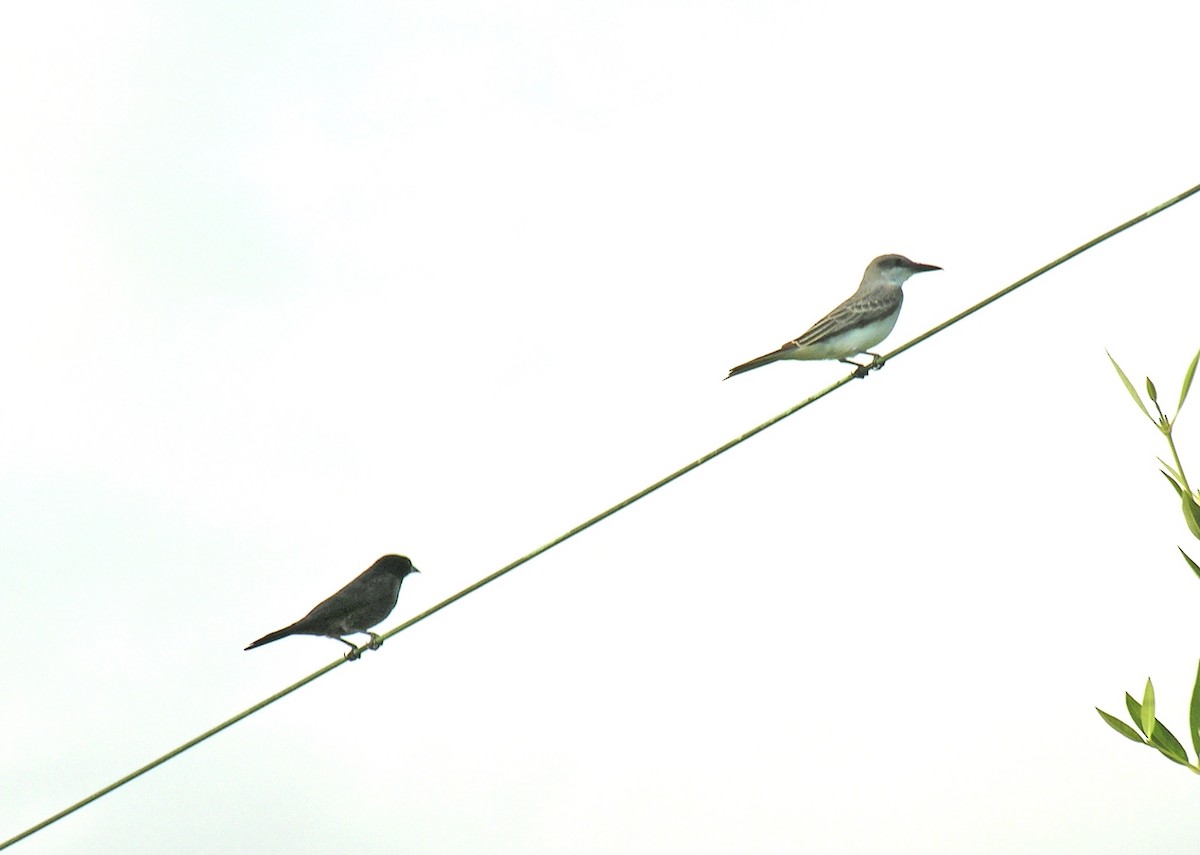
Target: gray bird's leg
{"type": "Point", "coordinates": [861, 370]}
{"type": "Point", "coordinates": [376, 642]}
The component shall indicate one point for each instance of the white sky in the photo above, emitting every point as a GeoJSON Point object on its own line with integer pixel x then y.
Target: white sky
{"type": "Point", "coordinates": [292, 285]}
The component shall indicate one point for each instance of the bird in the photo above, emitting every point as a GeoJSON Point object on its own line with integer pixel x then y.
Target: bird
{"type": "Point", "coordinates": [856, 325]}
{"type": "Point", "coordinates": [356, 608]}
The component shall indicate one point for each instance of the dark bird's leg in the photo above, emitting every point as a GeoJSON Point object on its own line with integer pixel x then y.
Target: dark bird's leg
{"type": "Point", "coordinates": [355, 650]}
{"type": "Point", "coordinates": [376, 642]}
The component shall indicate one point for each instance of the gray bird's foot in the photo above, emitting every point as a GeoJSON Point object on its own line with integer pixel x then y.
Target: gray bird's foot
{"type": "Point", "coordinates": [376, 642]}
{"type": "Point", "coordinates": [860, 370]}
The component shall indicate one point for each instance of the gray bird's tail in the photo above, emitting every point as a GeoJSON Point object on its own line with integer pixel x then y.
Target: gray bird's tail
{"type": "Point", "coordinates": [765, 359]}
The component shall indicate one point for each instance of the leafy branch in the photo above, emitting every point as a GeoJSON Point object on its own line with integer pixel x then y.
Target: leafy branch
{"type": "Point", "coordinates": [1150, 731]}
{"type": "Point", "coordinates": [1174, 474]}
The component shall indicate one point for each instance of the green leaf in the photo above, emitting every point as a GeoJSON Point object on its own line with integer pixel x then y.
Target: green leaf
{"type": "Point", "coordinates": [1132, 392]}
{"type": "Point", "coordinates": [1187, 382]}
{"type": "Point", "coordinates": [1194, 712]}
{"type": "Point", "coordinates": [1170, 471]}
{"type": "Point", "coordinates": [1148, 720]}
{"type": "Point", "coordinates": [1174, 483]}
{"type": "Point", "coordinates": [1191, 513]}
{"type": "Point", "coordinates": [1121, 727]}
{"type": "Point", "coordinates": [1135, 710]}
{"type": "Point", "coordinates": [1166, 742]}
{"type": "Point", "coordinates": [1151, 392]}
{"type": "Point", "coordinates": [1195, 567]}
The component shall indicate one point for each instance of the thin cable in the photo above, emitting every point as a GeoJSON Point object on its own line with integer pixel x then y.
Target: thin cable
{"type": "Point", "coordinates": [641, 494]}
{"type": "Point", "coordinates": [1035, 274]}
{"type": "Point", "coordinates": [173, 753]}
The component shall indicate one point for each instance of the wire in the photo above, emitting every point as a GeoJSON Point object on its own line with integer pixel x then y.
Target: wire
{"type": "Point", "coordinates": [678, 473]}
{"type": "Point", "coordinates": [641, 494]}
{"type": "Point", "coordinates": [1035, 274]}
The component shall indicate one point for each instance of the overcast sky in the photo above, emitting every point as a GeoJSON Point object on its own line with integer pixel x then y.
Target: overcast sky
{"type": "Point", "coordinates": [293, 285]}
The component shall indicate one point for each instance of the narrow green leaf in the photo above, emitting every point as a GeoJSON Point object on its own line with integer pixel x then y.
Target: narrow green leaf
{"type": "Point", "coordinates": [1166, 742]}
{"type": "Point", "coordinates": [1170, 470]}
{"type": "Point", "coordinates": [1191, 513]}
{"type": "Point", "coordinates": [1151, 392]}
{"type": "Point", "coordinates": [1132, 392]}
{"type": "Point", "coordinates": [1135, 710]}
{"type": "Point", "coordinates": [1187, 382]}
{"type": "Point", "coordinates": [1194, 712]}
{"type": "Point", "coordinates": [1195, 568]}
{"type": "Point", "coordinates": [1174, 483]}
{"type": "Point", "coordinates": [1121, 727]}
{"type": "Point", "coordinates": [1148, 720]}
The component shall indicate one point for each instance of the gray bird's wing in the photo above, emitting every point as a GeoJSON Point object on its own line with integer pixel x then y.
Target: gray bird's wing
{"type": "Point", "coordinates": [855, 312]}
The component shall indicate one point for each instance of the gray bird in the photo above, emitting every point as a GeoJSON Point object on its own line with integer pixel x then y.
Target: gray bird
{"type": "Point", "coordinates": [356, 608]}
{"type": "Point", "coordinates": [856, 325]}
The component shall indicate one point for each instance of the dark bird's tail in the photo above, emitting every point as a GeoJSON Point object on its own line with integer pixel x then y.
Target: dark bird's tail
{"type": "Point", "coordinates": [273, 636]}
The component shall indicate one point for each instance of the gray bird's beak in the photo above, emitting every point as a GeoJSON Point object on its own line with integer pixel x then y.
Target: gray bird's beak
{"type": "Point", "coordinates": [923, 268]}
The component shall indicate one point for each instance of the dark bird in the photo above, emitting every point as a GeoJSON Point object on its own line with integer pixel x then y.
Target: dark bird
{"type": "Point", "coordinates": [356, 608]}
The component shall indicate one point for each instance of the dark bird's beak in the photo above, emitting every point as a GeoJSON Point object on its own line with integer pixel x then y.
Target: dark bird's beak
{"type": "Point", "coordinates": [924, 268]}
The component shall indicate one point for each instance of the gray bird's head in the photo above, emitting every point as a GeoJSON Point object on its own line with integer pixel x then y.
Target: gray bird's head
{"type": "Point", "coordinates": [397, 565]}
{"type": "Point", "coordinates": [895, 269]}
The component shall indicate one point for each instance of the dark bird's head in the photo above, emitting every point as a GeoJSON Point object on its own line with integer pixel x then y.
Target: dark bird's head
{"type": "Point", "coordinates": [895, 269]}
{"type": "Point", "coordinates": [394, 565]}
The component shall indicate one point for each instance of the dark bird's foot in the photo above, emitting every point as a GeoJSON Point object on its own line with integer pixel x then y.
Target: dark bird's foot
{"type": "Point", "coordinates": [376, 642]}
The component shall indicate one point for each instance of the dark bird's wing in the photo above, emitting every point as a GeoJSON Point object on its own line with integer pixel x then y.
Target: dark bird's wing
{"type": "Point", "coordinates": [356, 608]}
